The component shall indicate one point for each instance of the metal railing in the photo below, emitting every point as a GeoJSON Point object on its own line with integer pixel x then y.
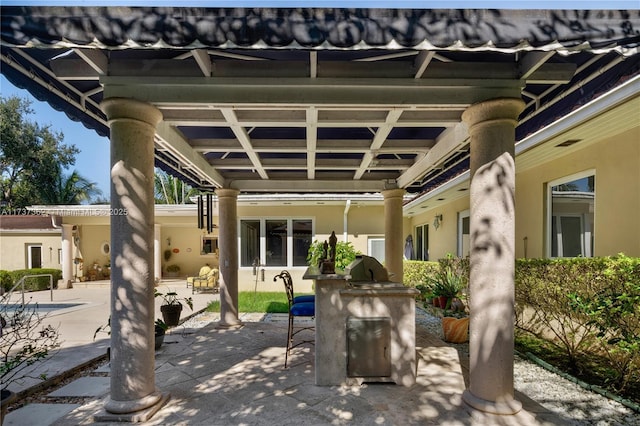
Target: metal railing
{"type": "Point", "coordinates": [20, 283]}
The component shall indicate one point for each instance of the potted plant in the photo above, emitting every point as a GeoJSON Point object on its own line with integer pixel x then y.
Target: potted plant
{"type": "Point", "coordinates": [24, 341]}
{"type": "Point", "coordinates": [447, 284]}
{"type": "Point", "coordinates": [173, 270]}
{"type": "Point", "coordinates": [160, 329]}
{"type": "Point", "coordinates": [171, 307]}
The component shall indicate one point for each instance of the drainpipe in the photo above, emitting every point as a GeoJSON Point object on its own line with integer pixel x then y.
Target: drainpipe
{"type": "Point", "coordinates": [346, 221]}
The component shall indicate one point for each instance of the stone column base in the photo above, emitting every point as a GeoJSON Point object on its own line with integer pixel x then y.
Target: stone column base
{"type": "Point", "coordinates": [225, 326]}
{"type": "Point", "coordinates": [142, 415]}
{"type": "Point", "coordinates": [507, 407]}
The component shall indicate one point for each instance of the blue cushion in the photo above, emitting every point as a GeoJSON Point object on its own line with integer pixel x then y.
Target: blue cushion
{"type": "Point", "coordinates": [304, 298]}
{"type": "Point", "coordinates": [304, 309]}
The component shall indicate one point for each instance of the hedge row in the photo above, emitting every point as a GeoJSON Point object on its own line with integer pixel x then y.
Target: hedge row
{"type": "Point", "coordinates": [9, 278]}
{"type": "Point", "coordinates": [581, 305]}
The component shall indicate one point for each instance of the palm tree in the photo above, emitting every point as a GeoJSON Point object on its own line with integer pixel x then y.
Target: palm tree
{"type": "Point", "coordinates": [171, 190]}
{"type": "Point", "coordinates": [70, 189]}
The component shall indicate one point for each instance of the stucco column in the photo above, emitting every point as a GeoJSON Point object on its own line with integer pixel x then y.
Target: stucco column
{"type": "Point", "coordinates": [228, 246]}
{"type": "Point", "coordinates": [67, 255]}
{"type": "Point", "coordinates": [157, 252]}
{"type": "Point", "coordinates": [393, 239]}
{"type": "Point", "coordinates": [491, 288]}
{"type": "Point", "coordinates": [133, 389]}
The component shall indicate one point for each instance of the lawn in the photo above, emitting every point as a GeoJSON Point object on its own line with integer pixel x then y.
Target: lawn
{"type": "Point", "coordinates": [262, 302]}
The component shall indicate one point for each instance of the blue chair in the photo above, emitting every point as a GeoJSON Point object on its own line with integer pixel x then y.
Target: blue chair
{"type": "Point", "coordinates": [300, 306]}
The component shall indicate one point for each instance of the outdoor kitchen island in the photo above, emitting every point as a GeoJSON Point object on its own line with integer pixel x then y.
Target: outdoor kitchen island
{"type": "Point", "coordinates": [365, 326]}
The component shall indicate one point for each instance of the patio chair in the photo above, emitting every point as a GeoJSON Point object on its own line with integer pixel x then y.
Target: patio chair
{"type": "Point", "coordinates": [302, 306]}
{"type": "Point", "coordinates": [207, 279]}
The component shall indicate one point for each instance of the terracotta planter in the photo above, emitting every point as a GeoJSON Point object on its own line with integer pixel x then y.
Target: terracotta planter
{"type": "Point", "coordinates": [455, 330]}
{"type": "Point", "coordinates": [171, 314]}
{"type": "Point", "coordinates": [443, 301]}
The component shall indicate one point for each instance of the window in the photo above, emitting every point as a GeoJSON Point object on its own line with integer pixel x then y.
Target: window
{"type": "Point", "coordinates": [34, 256]}
{"type": "Point", "coordinates": [209, 245]}
{"type": "Point", "coordinates": [276, 233]}
{"type": "Point", "coordinates": [375, 248]}
{"type": "Point", "coordinates": [464, 240]}
{"type": "Point", "coordinates": [422, 242]}
{"type": "Point", "coordinates": [570, 219]}
{"type": "Point", "coordinates": [301, 241]}
{"type": "Point", "coordinates": [275, 242]}
{"type": "Point", "coordinates": [59, 256]}
{"type": "Point", "coordinates": [250, 242]}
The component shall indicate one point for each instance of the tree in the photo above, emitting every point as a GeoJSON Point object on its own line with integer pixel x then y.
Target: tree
{"type": "Point", "coordinates": [171, 190]}
{"type": "Point", "coordinates": [70, 189]}
{"type": "Point", "coordinates": [31, 155]}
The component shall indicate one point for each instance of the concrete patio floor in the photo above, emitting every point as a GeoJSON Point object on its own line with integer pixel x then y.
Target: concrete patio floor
{"type": "Point", "coordinates": [237, 377]}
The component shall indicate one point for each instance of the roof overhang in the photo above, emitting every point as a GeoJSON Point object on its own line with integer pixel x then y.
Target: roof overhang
{"type": "Point", "coordinates": [612, 113]}
{"type": "Point", "coordinates": [316, 100]}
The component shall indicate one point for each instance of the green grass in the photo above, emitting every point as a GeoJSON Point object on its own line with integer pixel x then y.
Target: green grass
{"type": "Point", "coordinates": [261, 302]}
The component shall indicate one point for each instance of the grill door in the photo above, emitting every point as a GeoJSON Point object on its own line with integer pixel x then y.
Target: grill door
{"type": "Point", "coordinates": [368, 347]}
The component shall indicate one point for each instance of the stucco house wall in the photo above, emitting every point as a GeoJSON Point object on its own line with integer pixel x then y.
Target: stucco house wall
{"type": "Point", "coordinates": [13, 249]}
{"type": "Point", "coordinates": [616, 163]}
{"type": "Point", "coordinates": [615, 160]}
{"type": "Point", "coordinates": [180, 235]}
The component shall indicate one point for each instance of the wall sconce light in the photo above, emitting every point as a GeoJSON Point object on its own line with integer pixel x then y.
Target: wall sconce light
{"type": "Point", "coordinates": [437, 221]}
{"type": "Point", "coordinates": [169, 241]}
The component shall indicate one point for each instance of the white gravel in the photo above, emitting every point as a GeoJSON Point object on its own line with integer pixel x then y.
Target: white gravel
{"type": "Point", "coordinates": [577, 405]}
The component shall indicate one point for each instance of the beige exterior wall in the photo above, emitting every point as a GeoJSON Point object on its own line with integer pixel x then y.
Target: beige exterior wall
{"type": "Point", "coordinates": [180, 233]}
{"type": "Point", "coordinates": [363, 223]}
{"type": "Point", "coordinates": [616, 162]}
{"type": "Point", "coordinates": [443, 240]}
{"type": "Point", "coordinates": [14, 249]}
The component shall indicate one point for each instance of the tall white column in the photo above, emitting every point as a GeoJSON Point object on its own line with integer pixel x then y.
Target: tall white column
{"type": "Point", "coordinates": [133, 394]}
{"type": "Point", "coordinates": [491, 288]}
{"type": "Point", "coordinates": [393, 239]}
{"type": "Point", "coordinates": [67, 255]}
{"type": "Point", "coordinates": [228, 245]}
{"type": "Point", "coordinates": [157, 252]}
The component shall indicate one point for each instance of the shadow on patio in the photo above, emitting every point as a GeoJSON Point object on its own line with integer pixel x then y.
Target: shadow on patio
{"type": "Point", "coordinates": [222, 377]}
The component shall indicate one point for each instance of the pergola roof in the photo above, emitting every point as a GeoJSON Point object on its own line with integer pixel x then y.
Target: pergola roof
{"type": "Point", "coordinates": [316, 100]}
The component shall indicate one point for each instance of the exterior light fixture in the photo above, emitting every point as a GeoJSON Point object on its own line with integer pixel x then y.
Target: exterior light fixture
{"type": "Point", "coordinates": [437, 221]}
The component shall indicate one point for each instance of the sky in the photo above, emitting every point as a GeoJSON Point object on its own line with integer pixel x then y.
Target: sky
{"type": "Point", "coordinates": [93, 160]}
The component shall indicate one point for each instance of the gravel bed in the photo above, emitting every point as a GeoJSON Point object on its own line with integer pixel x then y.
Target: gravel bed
{"type": "Point", "coordinates": [577, 405]}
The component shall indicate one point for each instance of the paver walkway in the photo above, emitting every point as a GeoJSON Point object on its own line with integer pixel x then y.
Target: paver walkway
{"type": "Point", "coordinates": [232, 377]}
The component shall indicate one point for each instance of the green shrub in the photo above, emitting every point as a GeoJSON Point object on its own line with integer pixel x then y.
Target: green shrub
{"type": "Point", "coordinates": [345, 254]}
{"type": "Point", "coordinates": [415, 272]}
{"type": "Point", "coordinates": [5, 280]}
{"type": "Point", "coordinates": [584, 306]}
{"type": "Point", "coordinates": [37, 283]}
{"type": "Point", "coordinates": [615, 312]}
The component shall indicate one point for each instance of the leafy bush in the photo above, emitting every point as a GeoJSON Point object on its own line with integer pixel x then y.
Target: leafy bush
{"type": "Point", "coordinates": [589, 308]}
{"type": "Point", "coordinates": [615, 312]}
{"type": "Point", "coordinates": [24, 341]}
{"type": "Point", "coordinates": [5, 280]}
{"type": "Point", "coordinates": [37, 283]}
{"type": "Point", "coordinates": [542, 303]}
{"type": "Point", "coordinates": [415, 272]}
{"type": "Point", "coordinates": [345, 254]}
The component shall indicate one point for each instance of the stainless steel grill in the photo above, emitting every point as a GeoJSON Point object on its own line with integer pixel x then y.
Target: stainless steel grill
{"type": "Point", "coordinates": [367, 270]}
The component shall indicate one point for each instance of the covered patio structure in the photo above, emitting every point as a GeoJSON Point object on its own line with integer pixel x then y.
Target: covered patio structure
{"type": "Point", "coordinates": [313, 100]}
